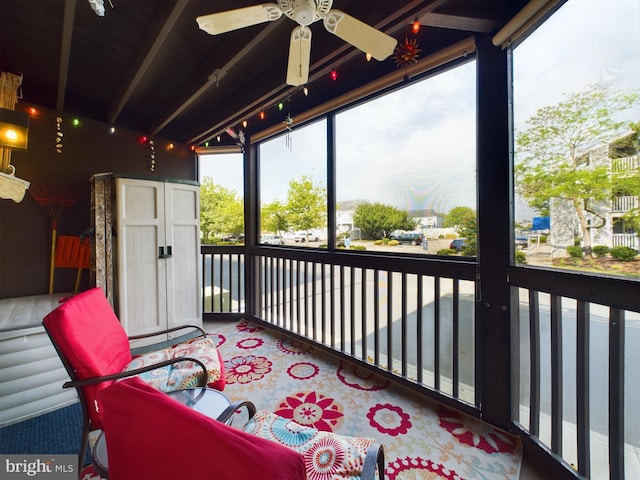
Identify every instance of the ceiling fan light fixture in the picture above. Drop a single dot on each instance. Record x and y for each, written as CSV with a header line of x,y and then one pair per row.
x,y
304,11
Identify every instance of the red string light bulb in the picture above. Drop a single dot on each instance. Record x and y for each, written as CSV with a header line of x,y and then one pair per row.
x,y
415,26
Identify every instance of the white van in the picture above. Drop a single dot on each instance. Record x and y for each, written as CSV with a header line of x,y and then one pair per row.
x,y
271,239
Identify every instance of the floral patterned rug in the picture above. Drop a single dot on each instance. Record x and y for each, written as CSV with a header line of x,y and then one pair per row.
x,y
423,440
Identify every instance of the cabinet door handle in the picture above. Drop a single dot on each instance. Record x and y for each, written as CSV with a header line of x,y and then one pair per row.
x,y
161,253
169,252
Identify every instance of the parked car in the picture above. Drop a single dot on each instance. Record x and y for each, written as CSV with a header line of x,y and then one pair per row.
x,y
312,235
299,237
458,244
270,239
412,238
522,242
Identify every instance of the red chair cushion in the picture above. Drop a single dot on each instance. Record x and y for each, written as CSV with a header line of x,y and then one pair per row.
x,y
91,339
150,435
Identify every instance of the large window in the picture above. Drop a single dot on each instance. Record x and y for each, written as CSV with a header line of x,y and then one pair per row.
x,y
221,198
576,112
293,187
577,180
406,168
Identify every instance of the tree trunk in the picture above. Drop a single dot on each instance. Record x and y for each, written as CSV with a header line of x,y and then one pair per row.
x,y
584,226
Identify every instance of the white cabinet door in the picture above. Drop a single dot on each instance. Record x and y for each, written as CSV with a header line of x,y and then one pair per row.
x,y
182,239
158,242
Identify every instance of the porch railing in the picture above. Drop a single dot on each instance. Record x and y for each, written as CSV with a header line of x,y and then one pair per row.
x,y
574,343
416,325
625,164
624,240
624,204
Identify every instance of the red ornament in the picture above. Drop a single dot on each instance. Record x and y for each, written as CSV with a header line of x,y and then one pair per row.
x,y
406,53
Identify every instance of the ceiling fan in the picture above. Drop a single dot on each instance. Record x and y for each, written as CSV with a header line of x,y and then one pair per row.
x,y
362,36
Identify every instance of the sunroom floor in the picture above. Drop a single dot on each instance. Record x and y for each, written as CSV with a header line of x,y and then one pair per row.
x,y
422,438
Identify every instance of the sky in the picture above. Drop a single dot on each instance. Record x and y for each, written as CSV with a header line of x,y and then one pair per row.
x,y
422,155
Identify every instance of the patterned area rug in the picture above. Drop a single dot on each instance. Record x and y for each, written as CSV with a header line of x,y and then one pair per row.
x,y
423,440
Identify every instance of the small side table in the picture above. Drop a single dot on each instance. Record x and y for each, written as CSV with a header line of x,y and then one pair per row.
x,y
207,401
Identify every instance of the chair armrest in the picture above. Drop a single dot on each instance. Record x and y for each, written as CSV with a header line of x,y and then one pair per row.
x,y
228,412
169,330
137,371
374,458
198,332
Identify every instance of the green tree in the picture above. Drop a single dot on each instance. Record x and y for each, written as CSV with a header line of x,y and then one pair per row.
x,y
551,153
306,205
377,220
463,219
273,217
221,211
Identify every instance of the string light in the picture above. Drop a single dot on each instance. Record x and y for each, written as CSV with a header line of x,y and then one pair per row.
x,y
415,26
280,105
334,74
111,130
368,57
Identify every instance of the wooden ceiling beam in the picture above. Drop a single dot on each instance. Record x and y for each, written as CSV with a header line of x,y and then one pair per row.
x,y
213,79
65,51
455,22
144,57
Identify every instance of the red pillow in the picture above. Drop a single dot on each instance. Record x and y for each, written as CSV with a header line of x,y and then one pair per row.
x,y
152,436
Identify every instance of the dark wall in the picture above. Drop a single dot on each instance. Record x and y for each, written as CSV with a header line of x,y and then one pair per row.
x,y
89,148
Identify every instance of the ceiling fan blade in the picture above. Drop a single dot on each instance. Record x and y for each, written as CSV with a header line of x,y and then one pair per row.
x,y
299,56
368,39
223,22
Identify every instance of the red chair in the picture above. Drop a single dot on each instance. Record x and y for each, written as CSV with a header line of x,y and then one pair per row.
x,y
149,435
71,252
138,420
95,351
